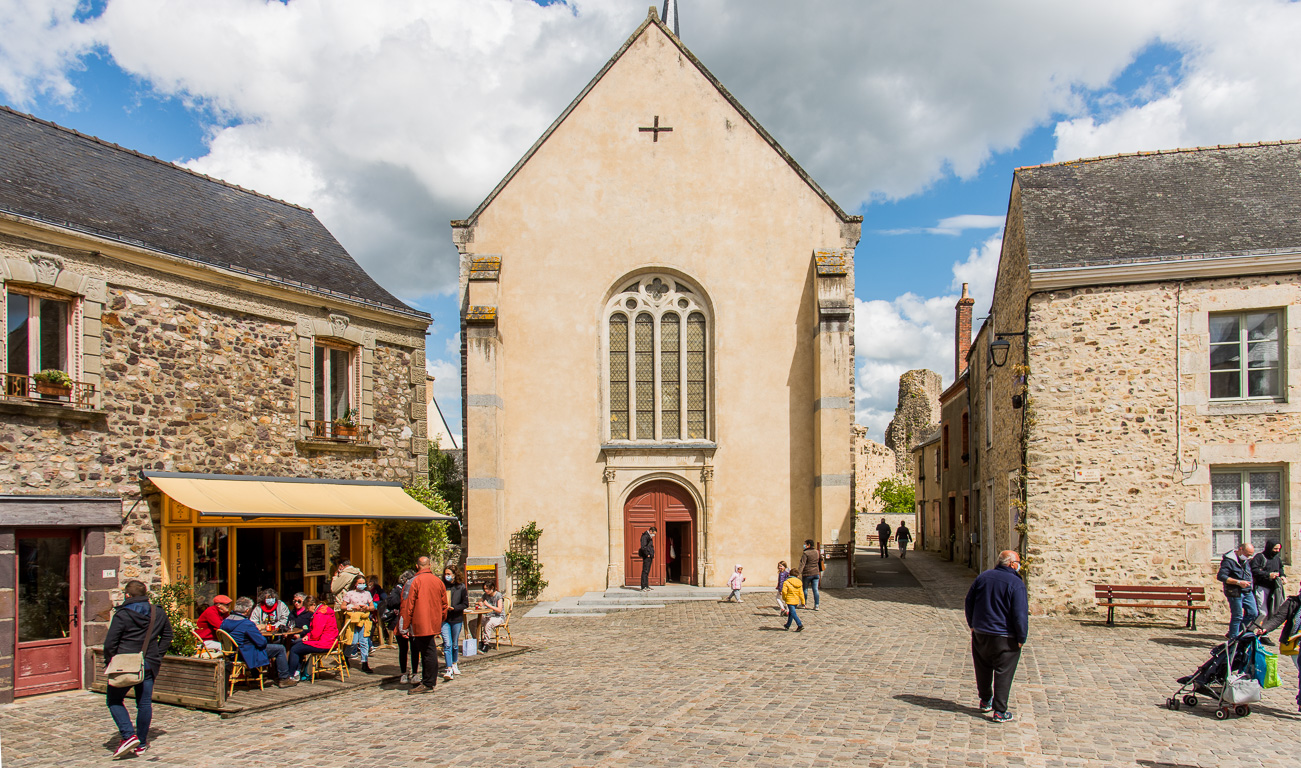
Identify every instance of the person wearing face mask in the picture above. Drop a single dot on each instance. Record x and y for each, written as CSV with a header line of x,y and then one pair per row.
x,y
271,613
458,600
358,607
1267,578
998,613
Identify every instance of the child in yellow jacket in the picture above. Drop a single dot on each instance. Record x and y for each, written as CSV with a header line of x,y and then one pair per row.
x,y
793,595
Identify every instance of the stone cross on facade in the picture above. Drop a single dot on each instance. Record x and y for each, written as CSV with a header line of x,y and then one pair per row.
x,y
656,129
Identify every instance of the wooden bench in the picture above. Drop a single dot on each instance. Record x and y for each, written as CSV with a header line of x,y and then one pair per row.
x,y
1113,596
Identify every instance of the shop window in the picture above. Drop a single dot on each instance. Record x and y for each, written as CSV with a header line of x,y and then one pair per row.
x,y
1245,355
210,564
1246,505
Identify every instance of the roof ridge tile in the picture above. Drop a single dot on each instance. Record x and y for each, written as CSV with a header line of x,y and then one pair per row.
x,y
1166,151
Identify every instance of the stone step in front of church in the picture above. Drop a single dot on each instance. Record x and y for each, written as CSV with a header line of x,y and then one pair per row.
x,y
627,599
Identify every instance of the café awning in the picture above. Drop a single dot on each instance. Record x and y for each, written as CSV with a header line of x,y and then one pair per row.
x,y
290,497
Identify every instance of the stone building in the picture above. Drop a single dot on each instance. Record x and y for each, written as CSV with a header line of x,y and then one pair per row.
x,y
1137,388
873,463
652,275
956,494
916,415
242,400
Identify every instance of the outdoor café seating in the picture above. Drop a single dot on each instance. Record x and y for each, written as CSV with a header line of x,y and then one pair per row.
x,y
236,669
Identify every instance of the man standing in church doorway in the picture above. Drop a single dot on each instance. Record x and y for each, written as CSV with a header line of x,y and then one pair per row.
x,y
647,553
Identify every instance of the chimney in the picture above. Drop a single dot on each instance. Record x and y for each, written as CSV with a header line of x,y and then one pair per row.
x,y
962,333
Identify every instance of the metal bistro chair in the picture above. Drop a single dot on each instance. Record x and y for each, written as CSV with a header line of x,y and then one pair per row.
x,y
239,671
504,627
204,651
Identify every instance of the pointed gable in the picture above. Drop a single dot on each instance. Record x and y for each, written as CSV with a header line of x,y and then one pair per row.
x,y
653,31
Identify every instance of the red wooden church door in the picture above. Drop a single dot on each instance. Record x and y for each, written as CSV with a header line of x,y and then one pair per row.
x,y
658,503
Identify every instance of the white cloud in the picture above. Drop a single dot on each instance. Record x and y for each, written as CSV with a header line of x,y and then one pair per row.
x,y
1240,74
951,225
891,337
40,41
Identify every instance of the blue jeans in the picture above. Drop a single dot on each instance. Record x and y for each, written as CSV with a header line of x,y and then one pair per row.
x,y
144,708
793,616
362,643
812,583
277,655
1242,611
451,636
297,653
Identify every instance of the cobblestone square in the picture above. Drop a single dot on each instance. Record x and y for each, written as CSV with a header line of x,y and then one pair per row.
x,y
881,676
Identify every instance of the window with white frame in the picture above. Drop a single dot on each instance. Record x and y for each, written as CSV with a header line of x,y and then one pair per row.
x,y
1246,505
39,332
657,370
334,376
1245,360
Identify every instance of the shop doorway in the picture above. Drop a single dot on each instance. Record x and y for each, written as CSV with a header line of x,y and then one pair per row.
x,y
672,511
269,557
48,612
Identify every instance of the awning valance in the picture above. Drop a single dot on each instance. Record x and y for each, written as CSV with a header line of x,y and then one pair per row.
x,y
290,497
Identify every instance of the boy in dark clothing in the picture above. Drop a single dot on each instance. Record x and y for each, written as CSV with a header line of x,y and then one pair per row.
x,y
130,632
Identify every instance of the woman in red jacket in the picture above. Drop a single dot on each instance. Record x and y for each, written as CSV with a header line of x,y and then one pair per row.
x,y
320,637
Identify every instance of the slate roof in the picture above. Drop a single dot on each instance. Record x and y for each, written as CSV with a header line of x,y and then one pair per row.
x,y
62,177
1153,206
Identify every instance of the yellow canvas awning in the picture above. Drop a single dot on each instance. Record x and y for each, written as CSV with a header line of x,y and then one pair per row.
x,y
292,497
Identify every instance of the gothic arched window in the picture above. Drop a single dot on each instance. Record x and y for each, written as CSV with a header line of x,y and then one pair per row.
x,y
657,372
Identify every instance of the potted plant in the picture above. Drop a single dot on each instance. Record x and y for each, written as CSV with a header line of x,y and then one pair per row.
x,y
346,424
53,383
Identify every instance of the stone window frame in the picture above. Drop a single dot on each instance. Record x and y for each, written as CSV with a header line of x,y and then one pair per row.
x,y
989,412
353,376
336,330
657,294
1244,470
1281,324
42,273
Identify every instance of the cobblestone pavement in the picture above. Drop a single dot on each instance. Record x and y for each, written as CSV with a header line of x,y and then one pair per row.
x,y
880,677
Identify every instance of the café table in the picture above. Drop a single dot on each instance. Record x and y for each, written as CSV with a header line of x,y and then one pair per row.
x,y
477,615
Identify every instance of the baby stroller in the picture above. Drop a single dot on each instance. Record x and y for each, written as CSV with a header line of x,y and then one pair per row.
x,y
1229,676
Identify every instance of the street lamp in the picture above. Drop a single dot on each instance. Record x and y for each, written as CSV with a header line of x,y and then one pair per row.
x,y
998,349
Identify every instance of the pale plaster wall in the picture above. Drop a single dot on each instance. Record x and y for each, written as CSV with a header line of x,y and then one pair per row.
x,y
599,203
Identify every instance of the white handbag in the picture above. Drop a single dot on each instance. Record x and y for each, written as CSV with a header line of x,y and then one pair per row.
x,y
469,647
1244,690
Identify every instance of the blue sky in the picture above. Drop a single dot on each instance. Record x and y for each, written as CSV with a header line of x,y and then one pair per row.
x,y
909,119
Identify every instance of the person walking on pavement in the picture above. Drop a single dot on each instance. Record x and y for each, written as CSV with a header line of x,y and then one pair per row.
x,y
903,537
423,612
137,627
1235,575
793,596
998,614
1267,577
810,573
647,555
1288,615
734,583
883,537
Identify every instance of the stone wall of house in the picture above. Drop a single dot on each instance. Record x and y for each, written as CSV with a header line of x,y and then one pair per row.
x,y
873,463
1124,436
199,378
916,414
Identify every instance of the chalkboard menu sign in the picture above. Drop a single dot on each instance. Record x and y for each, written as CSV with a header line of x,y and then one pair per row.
x,y
479,576
314,558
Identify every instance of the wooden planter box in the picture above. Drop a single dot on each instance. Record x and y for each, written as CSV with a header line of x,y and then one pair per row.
x,y
52,390
185,681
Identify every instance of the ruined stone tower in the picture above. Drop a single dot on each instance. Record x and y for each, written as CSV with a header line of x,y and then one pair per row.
x,y
916,415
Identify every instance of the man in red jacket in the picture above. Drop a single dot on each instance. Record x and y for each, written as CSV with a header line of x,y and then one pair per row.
x,y
423,611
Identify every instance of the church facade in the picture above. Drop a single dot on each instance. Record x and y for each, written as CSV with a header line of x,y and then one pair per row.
x,y
657,329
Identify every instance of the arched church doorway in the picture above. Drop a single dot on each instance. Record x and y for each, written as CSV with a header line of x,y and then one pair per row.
x,y
671,509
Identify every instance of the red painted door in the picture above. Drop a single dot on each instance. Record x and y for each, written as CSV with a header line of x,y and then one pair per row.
x,y
48,652
656,503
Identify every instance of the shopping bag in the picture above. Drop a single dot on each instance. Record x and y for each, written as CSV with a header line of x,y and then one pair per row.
x,y
1271,671
1289,647
469,647
1242,690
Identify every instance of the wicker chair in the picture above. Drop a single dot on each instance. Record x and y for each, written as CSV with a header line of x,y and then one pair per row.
x,y
239,671
504,627
204,651
332,661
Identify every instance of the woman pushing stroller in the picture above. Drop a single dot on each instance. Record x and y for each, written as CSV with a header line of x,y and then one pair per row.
x,y
1288,615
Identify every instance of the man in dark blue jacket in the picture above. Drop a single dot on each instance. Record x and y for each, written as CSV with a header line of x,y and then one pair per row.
x,y
1235,575
253,646
998,614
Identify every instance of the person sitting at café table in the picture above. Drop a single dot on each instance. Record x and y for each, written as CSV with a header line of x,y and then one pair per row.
x,y
492,600
344,577
270,612
324,628
210,620
300,616
358,606
253,646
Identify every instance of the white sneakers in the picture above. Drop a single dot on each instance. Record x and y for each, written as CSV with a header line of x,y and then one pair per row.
x,y
456,669
404,679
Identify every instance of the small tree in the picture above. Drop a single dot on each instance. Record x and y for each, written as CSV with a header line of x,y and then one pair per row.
x,y
445,478
896,496
174,599
401,542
